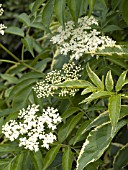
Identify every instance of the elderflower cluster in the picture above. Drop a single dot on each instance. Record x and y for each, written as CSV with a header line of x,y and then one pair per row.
x,y
1,10
33,130
80,39
48,87
2,26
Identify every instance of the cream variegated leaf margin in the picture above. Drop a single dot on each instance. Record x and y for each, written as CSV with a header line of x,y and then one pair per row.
x,y
119,50
96,143
97,95
109,83
94,78
114,107
121,81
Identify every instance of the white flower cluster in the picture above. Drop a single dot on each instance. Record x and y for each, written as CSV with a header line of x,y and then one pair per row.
x,y
1,10
81,39
2,26
47,87
33,130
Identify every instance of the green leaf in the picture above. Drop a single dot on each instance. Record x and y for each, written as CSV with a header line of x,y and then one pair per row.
x,y
91,6
67,159
70,111
109,81
50,156
37,25
59,7
18,161
96,95
88,90
1,124
24,18
115,4
58,60
121,158
80,131
114,107
28,43
15,31
38,48
121,81
117,60
62,131
94,165
36,5
5,112
20,100
104,2
9,148
30,75
16,69
74,122
27,162
84,7
125,10
115,69
67,128
38,101
3,104
41,65
47,13
101,119
24,83
97,142
4,163
74,7
8,167
57,163
96,108
124,111
111,28
94,78
118,50
9,78
37,160
75,84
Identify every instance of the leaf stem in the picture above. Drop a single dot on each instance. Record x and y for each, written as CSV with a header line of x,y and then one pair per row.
x,y
84,111
10,53
8,61
17,59
22,53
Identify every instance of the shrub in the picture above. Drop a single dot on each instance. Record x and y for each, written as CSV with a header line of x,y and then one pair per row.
x,y
64,92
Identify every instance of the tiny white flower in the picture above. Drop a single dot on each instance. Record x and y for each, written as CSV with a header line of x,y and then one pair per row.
x,y
81,39
47,87
2,26
31,130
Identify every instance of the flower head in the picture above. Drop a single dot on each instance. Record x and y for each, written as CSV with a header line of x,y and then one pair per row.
x,y
33,129
2,26
1,10
48,86
81,39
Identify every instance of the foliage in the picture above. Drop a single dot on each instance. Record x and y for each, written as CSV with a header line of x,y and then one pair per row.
x,y
89,92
